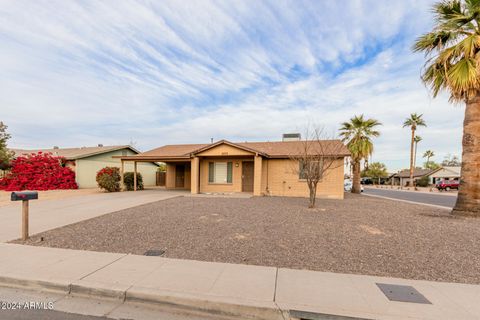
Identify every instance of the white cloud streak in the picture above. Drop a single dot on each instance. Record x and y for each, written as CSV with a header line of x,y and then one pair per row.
x,y
87,72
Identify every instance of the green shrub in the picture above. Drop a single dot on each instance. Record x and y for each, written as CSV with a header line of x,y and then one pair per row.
x,y
109,178
128,181
423,182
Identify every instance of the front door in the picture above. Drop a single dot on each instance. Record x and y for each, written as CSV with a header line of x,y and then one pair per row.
x,y
247,176
179,176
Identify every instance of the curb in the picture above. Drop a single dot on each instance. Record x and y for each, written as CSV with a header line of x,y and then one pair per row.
x,y
262,310
408,201
209,304
63,287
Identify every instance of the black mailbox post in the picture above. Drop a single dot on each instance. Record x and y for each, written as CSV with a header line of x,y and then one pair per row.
x,y
24,196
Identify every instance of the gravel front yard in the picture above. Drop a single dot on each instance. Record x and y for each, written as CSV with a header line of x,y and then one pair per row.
x,y
360,234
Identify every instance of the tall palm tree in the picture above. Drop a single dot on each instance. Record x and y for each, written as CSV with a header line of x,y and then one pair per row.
x,y
452,50
429,154
358,134
417,139
414,121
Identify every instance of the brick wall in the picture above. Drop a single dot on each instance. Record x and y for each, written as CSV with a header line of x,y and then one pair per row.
x,y
281,180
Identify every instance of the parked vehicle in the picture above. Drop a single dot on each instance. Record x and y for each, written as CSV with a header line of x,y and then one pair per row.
x,y
366,181
447,185
347,185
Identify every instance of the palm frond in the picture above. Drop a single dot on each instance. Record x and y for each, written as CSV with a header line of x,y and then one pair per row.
x,y
453,49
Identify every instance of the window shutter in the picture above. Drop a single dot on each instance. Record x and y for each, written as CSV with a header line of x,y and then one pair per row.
x,y
229,172
211,172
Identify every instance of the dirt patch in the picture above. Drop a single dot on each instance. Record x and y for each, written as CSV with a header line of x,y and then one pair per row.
x,y
362,235
371,230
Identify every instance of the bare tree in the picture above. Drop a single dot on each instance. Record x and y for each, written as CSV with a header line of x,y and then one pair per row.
x,y
316,157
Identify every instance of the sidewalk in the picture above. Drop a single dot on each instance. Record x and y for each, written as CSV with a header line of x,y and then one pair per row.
x,y
237,290
50,214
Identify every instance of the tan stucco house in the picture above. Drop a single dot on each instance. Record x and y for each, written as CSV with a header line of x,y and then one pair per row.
x,y
87,161
261,168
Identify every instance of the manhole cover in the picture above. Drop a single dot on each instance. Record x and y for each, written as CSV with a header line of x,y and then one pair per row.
x,y
154,253
395,292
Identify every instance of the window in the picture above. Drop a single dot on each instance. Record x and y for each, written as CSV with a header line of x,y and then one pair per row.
x,y
315,168
301,171
220,172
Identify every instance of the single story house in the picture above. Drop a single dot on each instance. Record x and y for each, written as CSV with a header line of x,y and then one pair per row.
x,y
402,177
445,173
87,161
261,168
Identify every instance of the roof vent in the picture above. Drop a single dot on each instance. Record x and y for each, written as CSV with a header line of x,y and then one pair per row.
x,y
291,137
100,145
55,147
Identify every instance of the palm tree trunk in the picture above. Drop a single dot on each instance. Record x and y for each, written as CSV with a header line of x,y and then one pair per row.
x,y
356,188
415,156
468,200
411,157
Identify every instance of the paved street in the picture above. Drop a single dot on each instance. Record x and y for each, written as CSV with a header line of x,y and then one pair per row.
x,y
437,199
50,214
59,315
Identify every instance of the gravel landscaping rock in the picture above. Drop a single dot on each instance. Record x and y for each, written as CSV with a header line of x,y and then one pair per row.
x,y
360,234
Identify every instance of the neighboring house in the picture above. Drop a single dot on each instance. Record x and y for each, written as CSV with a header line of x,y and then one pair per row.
x,y
87,161
262,168
445,173
402,178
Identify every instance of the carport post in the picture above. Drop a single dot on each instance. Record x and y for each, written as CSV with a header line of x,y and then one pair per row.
x,y
121,174
134,175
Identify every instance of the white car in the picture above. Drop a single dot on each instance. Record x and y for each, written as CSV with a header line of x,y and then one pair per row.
x,y
347,185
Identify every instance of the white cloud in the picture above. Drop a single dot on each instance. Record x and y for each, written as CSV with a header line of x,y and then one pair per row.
x,y
87,72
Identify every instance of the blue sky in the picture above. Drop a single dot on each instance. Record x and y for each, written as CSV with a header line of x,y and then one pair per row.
x,y
162,72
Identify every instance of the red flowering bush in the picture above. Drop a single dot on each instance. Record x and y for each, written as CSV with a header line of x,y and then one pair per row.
x,y
38,171
109,178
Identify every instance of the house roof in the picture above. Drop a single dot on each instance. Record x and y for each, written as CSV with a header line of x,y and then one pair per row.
x,y
447,172
417,172
276,149
75,153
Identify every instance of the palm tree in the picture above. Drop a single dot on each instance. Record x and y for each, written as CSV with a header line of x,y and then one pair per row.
x,y
417,139
358,134
413,122
452,50
428,154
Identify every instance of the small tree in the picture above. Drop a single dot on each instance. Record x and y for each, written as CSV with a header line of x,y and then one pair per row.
x,y
128,181
315,158
5,154
423,182
375,170
109,178
432,165
451,161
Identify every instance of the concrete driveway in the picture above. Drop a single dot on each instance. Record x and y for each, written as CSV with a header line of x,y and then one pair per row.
x,y
50,214
436,199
